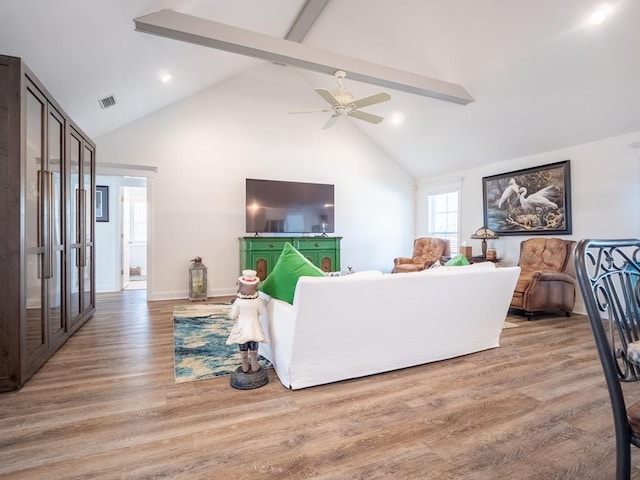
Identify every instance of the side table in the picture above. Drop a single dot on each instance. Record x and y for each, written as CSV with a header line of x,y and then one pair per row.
x,y
481,259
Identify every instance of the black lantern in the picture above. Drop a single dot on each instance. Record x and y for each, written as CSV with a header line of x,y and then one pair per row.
x,y
197,280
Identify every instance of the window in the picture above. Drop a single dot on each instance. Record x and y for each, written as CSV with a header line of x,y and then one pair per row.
x,y
442,212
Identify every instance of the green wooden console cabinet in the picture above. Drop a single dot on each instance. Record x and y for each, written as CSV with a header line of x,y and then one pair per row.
x,y
261,253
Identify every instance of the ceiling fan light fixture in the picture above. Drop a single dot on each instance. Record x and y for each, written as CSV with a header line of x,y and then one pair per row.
x,y
343,96
341,93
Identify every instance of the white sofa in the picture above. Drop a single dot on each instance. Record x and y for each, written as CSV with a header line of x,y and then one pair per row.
x,y
356,325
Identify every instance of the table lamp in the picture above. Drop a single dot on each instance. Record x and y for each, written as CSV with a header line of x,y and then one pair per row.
x,y
484,233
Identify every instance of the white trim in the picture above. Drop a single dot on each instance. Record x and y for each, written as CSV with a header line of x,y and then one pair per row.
x,y
124,170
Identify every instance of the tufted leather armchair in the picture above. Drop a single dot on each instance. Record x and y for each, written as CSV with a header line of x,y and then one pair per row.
x,y
547,276
426,251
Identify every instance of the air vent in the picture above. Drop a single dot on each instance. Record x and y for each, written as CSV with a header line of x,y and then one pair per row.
x,y
107,102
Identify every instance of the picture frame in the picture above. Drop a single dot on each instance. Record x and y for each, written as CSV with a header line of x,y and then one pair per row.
x,y
531,201
102,203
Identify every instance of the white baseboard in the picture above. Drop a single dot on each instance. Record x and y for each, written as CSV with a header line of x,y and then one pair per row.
x,y
184,294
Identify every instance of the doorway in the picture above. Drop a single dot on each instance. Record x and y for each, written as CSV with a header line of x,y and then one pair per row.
x,y
133,205
122,240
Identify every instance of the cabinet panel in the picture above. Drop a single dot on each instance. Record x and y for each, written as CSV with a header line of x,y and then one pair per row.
x,y
75,240
267,244
262,263
88,174
57,324
326,260
318,243
34,328
55,234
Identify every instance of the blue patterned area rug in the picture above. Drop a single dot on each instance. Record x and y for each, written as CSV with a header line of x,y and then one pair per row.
x,y
200,332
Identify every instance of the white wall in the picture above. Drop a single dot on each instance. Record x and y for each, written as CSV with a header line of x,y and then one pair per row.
x,y
605,193
106,235
205,146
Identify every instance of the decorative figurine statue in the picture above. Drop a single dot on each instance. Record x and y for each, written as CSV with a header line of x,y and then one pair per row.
x,y
247,332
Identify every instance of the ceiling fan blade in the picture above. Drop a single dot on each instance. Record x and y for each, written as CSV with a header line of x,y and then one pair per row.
x,y
367,117
331,121
372,100
328,96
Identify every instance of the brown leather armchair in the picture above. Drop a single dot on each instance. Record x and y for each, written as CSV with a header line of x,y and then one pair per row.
x,y
426,251
547,276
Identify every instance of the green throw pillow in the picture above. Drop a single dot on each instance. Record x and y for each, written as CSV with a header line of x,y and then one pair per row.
x,y
291,265
457,261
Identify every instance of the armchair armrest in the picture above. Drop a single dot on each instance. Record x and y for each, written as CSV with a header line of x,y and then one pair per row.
x,y
402,260
542,276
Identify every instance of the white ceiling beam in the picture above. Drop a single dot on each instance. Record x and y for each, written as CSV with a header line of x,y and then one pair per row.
x,y
305,19
199,31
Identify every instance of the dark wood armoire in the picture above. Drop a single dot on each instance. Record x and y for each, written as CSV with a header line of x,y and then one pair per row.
x,y
47,191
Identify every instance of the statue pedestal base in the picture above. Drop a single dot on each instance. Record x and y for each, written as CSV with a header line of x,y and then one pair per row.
x,y
249,380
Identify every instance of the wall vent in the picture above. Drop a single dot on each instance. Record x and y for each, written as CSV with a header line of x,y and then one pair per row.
x,y
107,102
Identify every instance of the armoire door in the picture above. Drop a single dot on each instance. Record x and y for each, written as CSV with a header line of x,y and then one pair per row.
x,y
81,223
56,325
88,174
34,331
44,320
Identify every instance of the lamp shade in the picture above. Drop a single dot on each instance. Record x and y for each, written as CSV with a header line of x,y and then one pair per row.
x,y
484,233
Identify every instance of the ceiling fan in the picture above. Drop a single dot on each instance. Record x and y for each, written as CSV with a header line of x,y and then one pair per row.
x,y
342,103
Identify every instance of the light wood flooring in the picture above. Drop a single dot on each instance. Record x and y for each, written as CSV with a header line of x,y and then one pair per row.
x,y
106,407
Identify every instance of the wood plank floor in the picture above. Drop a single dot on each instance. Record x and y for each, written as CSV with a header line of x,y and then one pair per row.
x,y
106,407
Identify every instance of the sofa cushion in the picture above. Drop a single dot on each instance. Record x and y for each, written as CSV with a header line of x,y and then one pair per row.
x,y
291,265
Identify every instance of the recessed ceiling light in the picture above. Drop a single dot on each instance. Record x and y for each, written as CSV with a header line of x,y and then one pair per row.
x,y
397,118
165,77
601,14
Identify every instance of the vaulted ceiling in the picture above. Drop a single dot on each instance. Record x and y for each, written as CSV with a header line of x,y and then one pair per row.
x,y
541,76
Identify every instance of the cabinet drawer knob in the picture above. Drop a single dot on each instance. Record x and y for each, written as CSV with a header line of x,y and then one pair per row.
x,y
271,245
316,244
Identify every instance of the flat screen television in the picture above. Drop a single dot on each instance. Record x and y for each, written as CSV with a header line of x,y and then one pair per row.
x,y
275,206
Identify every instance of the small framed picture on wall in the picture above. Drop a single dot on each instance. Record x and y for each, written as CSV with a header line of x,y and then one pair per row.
x,y
102,203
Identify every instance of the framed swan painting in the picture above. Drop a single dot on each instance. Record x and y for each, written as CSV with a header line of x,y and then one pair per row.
x,y
531,201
